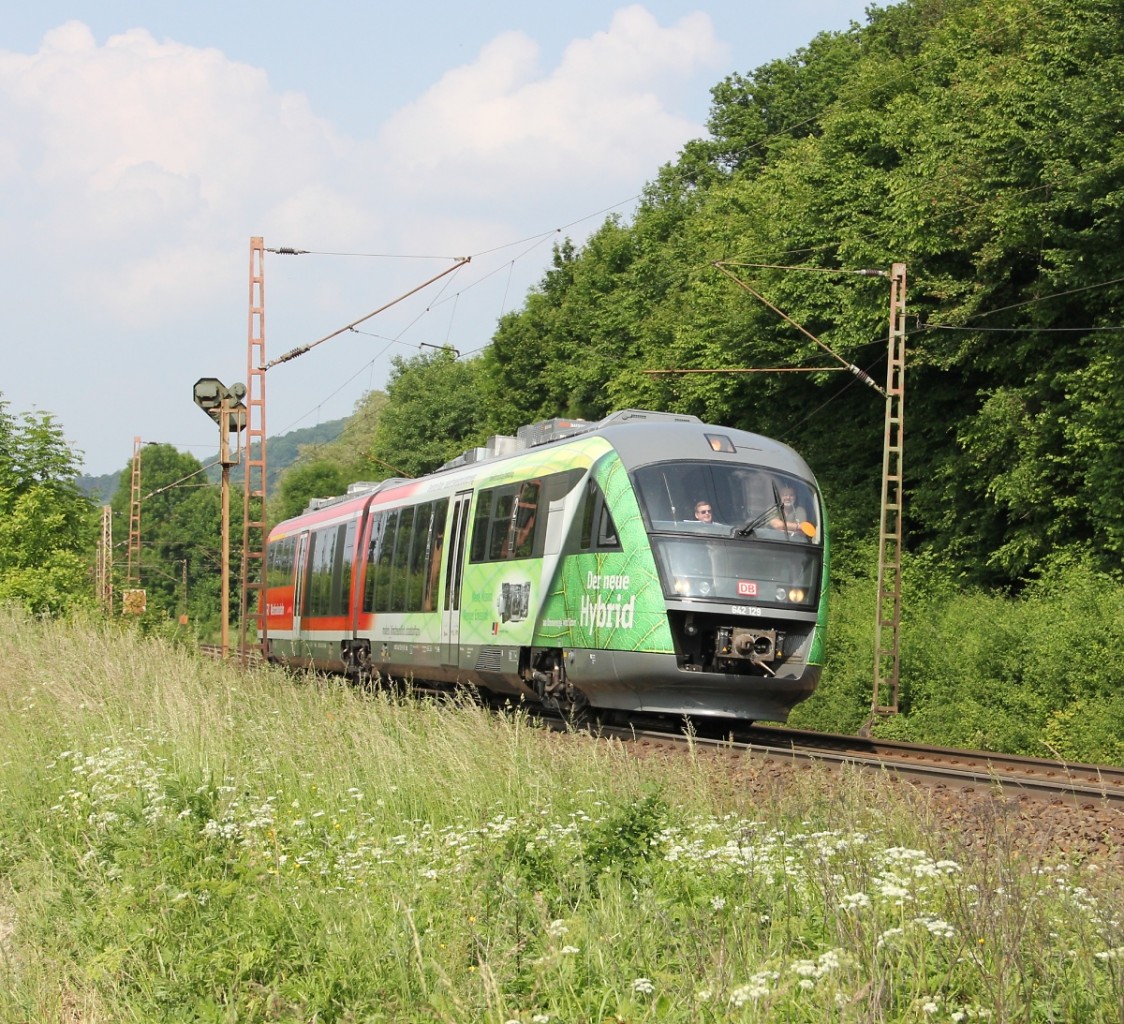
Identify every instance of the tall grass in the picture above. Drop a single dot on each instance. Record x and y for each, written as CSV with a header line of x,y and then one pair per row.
x,y
184,842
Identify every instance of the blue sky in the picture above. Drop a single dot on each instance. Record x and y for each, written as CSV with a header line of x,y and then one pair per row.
x,y
143,144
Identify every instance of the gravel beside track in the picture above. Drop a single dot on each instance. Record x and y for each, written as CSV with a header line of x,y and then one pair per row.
x,y
960,818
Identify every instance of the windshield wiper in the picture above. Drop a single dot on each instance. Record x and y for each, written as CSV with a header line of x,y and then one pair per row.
x,y
758,520
777,508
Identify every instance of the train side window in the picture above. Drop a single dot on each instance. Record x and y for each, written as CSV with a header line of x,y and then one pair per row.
x,y
456,560
279,562
324,570
511,521
525,520
607,529
306,591
482,517
598,529
500,528
436,550
378,519
419,549
321,557
385,571
401,565
341,569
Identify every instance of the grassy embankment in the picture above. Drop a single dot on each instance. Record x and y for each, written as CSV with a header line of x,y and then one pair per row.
x,y
182,842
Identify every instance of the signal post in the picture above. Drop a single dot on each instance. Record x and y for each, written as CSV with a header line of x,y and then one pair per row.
x,y
224,406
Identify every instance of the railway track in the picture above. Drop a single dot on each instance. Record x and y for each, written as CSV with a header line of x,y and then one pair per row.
x,y
939,765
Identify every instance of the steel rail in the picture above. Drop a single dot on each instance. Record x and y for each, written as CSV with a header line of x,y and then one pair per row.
x,y
1028,775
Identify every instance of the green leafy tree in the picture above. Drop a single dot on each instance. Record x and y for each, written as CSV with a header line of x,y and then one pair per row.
x,y
433,412
46,524
180,536
304,481
978,142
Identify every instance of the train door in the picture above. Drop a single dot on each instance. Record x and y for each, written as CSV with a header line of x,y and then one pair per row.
x,y
454,572
300,574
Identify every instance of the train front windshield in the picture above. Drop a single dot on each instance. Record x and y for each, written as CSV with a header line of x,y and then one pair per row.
x,y
733,533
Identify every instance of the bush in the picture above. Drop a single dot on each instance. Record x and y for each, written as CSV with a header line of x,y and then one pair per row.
x,y
1032,673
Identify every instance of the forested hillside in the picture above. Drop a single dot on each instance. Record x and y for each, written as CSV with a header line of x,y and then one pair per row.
x,y
282,451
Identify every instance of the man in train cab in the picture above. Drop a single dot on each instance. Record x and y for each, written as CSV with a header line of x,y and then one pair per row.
x,y
704,512
790,517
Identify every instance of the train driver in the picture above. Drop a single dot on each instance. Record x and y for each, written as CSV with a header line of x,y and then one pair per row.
x,y
790,516
704,511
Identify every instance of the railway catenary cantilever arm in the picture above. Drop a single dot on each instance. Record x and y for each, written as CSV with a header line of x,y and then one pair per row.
x,y
300,350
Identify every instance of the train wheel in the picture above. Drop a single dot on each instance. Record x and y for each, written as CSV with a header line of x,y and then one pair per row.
x,y
579,715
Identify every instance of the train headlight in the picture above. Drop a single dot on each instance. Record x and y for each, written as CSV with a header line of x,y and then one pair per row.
x,y
782,594
682,587
796,595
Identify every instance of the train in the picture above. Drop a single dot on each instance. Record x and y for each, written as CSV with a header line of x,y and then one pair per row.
x,y
574,566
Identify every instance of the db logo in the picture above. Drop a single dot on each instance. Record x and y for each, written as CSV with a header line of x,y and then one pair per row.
x,y
747,589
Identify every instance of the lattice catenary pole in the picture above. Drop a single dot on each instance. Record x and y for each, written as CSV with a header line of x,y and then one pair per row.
x,y
132,564
887,624
105,560
254,529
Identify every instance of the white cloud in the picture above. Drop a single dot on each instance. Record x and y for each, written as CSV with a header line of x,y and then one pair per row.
x,y
142,157
605,114
142,154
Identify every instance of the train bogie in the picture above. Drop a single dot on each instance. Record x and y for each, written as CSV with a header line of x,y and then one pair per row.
x,y
646,563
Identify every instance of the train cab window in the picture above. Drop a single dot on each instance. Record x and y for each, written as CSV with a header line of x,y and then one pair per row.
x,y
748,503
598,529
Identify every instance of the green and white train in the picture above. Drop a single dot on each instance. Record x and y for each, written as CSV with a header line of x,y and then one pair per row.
x,y
566,566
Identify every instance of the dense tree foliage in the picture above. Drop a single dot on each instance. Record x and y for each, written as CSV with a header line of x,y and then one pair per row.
x,y
181,537
46,524
305,480
433,411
